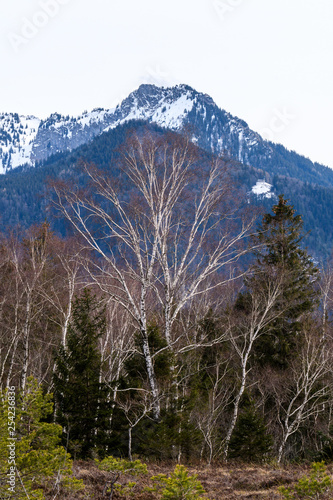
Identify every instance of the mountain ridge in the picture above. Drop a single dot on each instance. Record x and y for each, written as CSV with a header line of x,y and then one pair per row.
x,y
28,140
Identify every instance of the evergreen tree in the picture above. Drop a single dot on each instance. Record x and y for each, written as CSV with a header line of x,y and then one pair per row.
x,y
158,439
31,458
135,367
81,400
280,254
250,441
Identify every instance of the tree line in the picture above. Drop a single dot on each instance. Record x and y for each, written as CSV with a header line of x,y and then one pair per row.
x,y
172,326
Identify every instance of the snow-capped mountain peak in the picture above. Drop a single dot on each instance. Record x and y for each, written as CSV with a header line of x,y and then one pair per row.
x,y
26,140
168,107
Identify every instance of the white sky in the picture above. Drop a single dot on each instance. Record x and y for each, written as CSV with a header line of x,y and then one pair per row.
x,y
268,62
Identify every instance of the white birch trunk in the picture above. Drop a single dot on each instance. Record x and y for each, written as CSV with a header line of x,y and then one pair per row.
x,y
26,333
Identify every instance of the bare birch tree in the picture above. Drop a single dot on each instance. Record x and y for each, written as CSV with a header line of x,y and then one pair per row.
x,y
116,347
161,230
134,411
9,314
208,417
307,390
68,280
27,260
248,327
326,292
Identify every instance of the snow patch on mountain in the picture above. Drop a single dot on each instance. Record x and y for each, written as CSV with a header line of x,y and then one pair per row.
x,y
172,115
17,136
95,116
262,188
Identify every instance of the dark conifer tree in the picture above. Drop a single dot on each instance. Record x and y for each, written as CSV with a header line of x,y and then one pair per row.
x,y
280,254
81,400
250,441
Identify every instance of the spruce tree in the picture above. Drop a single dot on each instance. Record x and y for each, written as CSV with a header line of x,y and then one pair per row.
x,y
81,400
280,254
32,459
250,441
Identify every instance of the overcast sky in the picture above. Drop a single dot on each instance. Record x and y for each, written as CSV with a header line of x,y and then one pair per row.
x,y
268,62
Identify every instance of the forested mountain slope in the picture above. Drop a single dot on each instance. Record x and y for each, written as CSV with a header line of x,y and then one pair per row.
x,y
24,196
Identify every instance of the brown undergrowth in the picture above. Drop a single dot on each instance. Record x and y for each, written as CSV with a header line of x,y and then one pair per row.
x,y
227,482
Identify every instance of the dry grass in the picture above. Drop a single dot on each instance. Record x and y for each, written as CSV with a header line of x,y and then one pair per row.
x,y
230,482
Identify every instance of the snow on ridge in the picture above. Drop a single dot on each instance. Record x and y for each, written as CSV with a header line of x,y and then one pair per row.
x,y
262,188
95,116
86,118
171,115
240,150
167,112
16,140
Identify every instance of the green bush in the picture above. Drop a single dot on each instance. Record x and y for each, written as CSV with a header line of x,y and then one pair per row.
x,y
179,486
314,486
118,467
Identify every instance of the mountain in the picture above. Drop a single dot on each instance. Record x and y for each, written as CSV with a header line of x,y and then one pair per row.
x,y
24,197
28,140
261,169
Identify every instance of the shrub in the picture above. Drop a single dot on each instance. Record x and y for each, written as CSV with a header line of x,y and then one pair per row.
x,y
37,461
316,485
119,467
179,486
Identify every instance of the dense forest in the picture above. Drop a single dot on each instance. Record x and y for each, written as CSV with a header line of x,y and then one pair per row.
x,y
176,323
